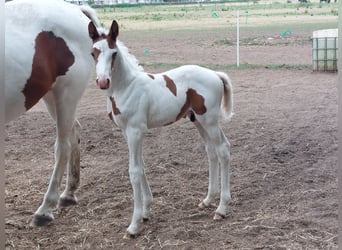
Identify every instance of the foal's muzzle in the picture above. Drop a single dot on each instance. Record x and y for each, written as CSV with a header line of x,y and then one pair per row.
x,y
102,82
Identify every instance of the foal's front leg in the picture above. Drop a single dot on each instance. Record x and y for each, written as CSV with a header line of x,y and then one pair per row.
x,y
138,179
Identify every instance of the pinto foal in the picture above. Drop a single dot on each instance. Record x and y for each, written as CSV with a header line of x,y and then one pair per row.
x,y
138,101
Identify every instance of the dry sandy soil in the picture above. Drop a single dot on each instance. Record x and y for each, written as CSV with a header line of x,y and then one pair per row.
x,y
283,166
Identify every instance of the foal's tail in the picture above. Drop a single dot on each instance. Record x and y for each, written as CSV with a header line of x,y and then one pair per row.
x,y
227,104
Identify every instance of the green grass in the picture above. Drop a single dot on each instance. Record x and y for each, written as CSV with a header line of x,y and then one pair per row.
x,y
227,6
243,66
299,26
197,11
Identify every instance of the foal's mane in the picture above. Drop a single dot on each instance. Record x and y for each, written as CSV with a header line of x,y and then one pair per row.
x,y
128,57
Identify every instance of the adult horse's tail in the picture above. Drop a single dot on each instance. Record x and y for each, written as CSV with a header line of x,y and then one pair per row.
x,y
227,104
91,14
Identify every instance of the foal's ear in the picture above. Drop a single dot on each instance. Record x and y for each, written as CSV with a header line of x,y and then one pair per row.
x,y
93,31
114,30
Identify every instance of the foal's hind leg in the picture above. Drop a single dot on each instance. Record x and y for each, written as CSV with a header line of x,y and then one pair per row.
x,y
221,148
223,151
213,186
146,196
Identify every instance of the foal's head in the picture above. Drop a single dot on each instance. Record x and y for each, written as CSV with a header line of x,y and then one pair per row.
x,y
104,52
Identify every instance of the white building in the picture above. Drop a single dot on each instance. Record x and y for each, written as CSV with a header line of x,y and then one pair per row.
x,y
79,2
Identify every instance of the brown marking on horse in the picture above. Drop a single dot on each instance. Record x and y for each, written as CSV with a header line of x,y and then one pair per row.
x,y
151,76
111,43
113,34
116,110
52,58
99,38
194,101
94,34
95,53
171,85
110,115
110,38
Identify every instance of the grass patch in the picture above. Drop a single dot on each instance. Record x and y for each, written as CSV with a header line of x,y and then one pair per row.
x,y
169,12
224,41
244,66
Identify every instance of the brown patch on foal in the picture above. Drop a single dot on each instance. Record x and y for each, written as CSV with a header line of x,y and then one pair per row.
x,y
52,58
116,110
194,101
171,85
95,53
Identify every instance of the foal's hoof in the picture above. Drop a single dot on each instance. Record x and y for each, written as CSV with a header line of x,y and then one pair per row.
x,y
218,216
146,219
129,236
67,202
41,220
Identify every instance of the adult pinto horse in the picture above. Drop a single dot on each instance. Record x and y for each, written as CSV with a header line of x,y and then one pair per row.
x,y
48,56
138,101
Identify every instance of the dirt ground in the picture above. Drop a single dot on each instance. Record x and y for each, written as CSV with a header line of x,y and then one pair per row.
x,y
283,165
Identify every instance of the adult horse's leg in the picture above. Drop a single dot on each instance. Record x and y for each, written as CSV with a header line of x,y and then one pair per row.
x,y
64,114
68,197
134,138
213,187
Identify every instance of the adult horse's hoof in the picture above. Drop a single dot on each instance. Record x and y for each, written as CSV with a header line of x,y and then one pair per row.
x,y
202,205
129,236
218,216
41,220
66,202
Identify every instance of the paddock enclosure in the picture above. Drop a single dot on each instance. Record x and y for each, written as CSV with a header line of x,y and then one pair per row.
x,y
283,141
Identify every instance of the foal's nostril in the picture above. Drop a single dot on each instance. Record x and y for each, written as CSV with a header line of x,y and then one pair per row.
x,y
107,81
97,80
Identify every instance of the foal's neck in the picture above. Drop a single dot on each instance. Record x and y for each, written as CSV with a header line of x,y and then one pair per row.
x,y
124,71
